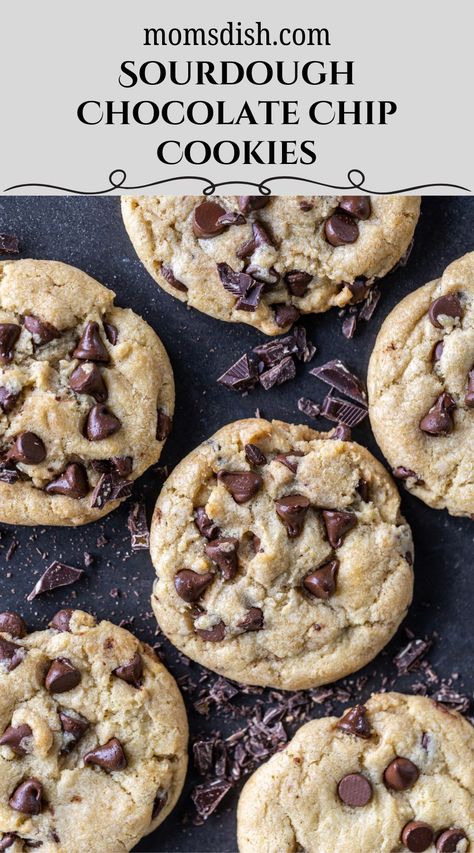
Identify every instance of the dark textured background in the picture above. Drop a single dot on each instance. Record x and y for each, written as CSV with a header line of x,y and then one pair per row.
x,y
88,232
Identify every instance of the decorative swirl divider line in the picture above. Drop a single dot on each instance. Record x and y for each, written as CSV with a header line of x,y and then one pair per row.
x,y
117,178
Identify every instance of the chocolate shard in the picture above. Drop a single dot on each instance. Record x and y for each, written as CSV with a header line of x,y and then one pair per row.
x,y
247,203
411,655
341,411
169,276
8,475
278,374
337,375
9,244
360,289
295,343
206,797
56,575
469,397
110,487
241,376
309,407
138,526
9,334
355,722
368,307
297,282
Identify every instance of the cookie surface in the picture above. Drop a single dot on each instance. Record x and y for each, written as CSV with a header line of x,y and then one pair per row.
x,y
254,581
271,258
93,737
421,389
86,395
413,763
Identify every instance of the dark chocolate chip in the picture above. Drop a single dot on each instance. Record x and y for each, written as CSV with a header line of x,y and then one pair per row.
x,y
359,289
297,282
445,306
159,803
305,205
62,676
401,774
9,838
212,635
336,409
363,490
163,425
322,582
252,621
72,482
337,375
283,459
417,836
110,487
56,575
13,624
402,473
111,332
28,448
9,334
91,346
337,524
101,423
240,376
231,217
254,455
223,552
341,229
252,202
439,419
122,464
469,398
15,736
285,315
449,839
242,485
168,275
358,206
110,756
355,722
61,620
278,374
355,790
41,331
9,245
73,729
138,525
131,672
292,510
206,218
438,350
11,655
8,399
27,797
190,585
88,379
207,528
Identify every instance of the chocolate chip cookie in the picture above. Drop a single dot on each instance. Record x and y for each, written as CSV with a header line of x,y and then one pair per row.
x,y
93,737
396,774
264,260
421,390
86,396
281,555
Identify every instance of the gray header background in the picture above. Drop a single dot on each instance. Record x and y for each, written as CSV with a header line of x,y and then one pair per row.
x,y
56,54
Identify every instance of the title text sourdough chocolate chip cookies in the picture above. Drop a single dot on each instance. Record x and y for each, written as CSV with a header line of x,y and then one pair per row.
x,y
281,555
421,389
93,737
263,260
395,775
86,395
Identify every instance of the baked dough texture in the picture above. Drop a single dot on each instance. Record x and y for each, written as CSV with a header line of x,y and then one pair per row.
x,y
292,804
420,356
87,806
67,353
266,598
185,264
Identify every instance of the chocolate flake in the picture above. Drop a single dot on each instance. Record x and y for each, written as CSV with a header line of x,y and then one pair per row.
x,y
138,526
56,575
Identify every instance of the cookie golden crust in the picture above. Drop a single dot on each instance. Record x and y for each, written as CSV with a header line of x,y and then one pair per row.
x,y
416,760
93,737
86,395
283,245
421,389
255,581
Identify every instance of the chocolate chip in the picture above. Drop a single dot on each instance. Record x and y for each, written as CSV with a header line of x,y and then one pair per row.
x,y
285,315
88,379
56,575
297,282
110,756
27,797
207,528
252,621
336,409
278,374
138,525
260,235
363,490
292,510
254,455
252,202
168,275
231,217
13,624
41,331
469,398
28,449
62,676
355,790
163,425
131,672
402,473
240,376
445,306
309,407
8,475
337,524
360,290
91,346
101,423
340,229
417,836
15,736
8,399
305,205
190,585
401,774
73,729
11,655
284,460
355,722
206,219
242,485
9,334
111,332
223,552
110,487
9,839
159,803
337,375
72,482
438,350
358,206
9,245
322,582
212,635
61,620
449,839
122,464
439,420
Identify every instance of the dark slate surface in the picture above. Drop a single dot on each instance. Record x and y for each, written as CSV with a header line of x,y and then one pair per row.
x,y
88,232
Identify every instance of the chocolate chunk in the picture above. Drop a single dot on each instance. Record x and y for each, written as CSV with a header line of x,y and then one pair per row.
x,y
168,275
349,326
111,332
223,552
206,219
131,672
9,838
242,485
61,620
62,676
335,409
28,449
337,524
110,756
251,298
27,797
163,425
322,582
73,729
13,624
294,343
417,836
110,487
15,737
122,464
305,205
297,282
260,237
56,575
341,229
241,376
9,245
368,308
72,482
9,334
355,722
236,283
449,839
285,315
159,803
309,407
411,655
358,206
101,423
278,374
438,350
8,399
212,635
284,460
337,375
231,217
11,655
439,419
292,510
401,774
41,331
252,621
252,202
360,290
254,455
138,525
363,490
91,346
445,306
88,379
341,433
190,585
469,398
402,473
266,276
207,528
355,790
